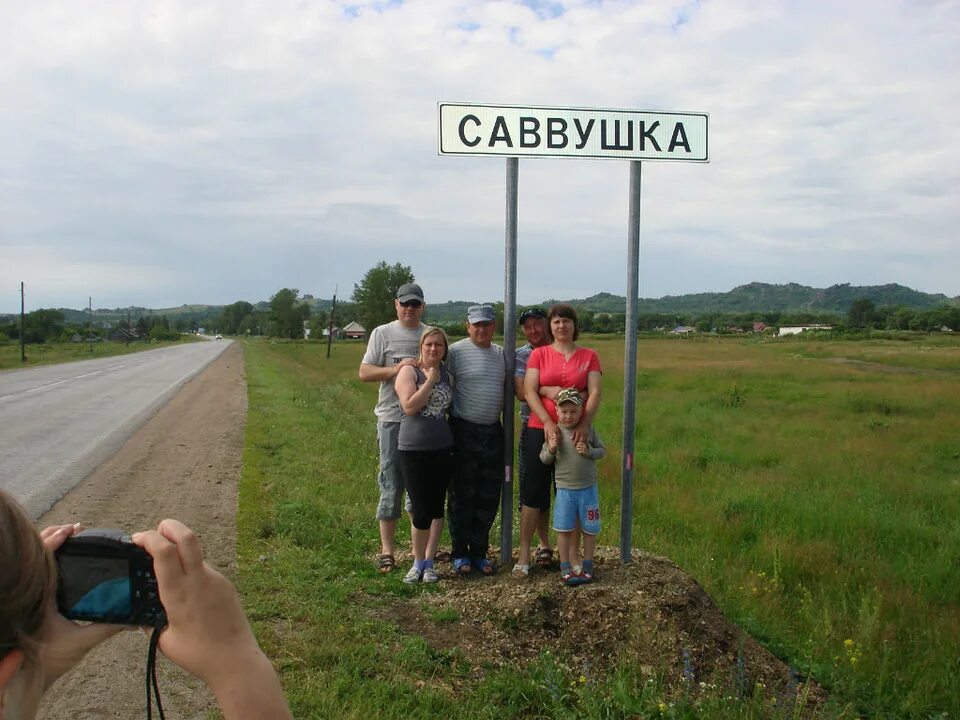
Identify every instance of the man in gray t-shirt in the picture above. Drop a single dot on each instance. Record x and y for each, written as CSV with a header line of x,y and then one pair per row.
x,y
390,347
478,369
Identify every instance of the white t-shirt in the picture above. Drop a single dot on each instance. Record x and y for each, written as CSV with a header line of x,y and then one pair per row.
x,y
388,345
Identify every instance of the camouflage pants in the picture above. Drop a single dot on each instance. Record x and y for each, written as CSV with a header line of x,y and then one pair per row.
x,y
474,496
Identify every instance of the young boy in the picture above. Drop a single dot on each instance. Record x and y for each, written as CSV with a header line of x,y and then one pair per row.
x,y
577,504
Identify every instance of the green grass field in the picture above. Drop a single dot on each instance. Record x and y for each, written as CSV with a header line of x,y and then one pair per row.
x,y
47,354
812,488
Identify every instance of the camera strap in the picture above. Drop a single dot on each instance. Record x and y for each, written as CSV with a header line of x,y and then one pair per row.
x,y
151,678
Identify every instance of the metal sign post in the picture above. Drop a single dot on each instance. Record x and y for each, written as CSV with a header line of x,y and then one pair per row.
x,y
509,350
512,131
630,365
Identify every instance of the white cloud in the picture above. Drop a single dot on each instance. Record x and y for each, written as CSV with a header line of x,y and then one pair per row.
x,y
294,144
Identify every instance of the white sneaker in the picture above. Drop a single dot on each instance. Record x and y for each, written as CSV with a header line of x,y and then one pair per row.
x,y
412,576
430,575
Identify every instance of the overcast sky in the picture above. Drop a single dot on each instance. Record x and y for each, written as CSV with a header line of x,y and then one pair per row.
x,y
160,153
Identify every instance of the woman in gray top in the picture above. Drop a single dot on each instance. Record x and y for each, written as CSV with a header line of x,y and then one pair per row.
x,y
425,443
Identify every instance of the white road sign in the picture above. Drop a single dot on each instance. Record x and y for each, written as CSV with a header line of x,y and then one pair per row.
x,y
514,131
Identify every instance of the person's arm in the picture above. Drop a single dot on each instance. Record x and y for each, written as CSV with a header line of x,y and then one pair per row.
x,y
520,358
531,384
63,643
375,373
597,449
548,453
518,387
208,634
550,391
412,399
372,365
582,430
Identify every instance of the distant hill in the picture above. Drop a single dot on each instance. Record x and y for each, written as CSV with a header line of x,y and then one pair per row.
x,y
764,297
115,315
753,297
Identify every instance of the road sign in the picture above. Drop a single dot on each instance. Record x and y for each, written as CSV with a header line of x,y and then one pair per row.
x,y
512,131
516,131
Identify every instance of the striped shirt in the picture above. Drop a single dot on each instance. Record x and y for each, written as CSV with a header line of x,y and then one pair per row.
x,y
478,375
520,371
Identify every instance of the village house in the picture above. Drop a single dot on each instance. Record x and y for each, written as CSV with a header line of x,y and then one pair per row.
x,y
354,331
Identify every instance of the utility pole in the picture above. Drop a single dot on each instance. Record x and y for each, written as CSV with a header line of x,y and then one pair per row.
x,y
90,323
23,347
333,309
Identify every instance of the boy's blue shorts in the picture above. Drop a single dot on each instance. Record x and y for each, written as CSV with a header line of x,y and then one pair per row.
x,y
573,507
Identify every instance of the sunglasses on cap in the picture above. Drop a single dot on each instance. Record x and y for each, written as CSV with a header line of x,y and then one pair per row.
x,y
411,304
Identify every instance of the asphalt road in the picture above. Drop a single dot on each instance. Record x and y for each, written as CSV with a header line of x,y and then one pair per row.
x,y
59,422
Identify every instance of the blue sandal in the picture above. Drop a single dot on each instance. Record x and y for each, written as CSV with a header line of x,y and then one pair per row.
x,y
484,566
462,566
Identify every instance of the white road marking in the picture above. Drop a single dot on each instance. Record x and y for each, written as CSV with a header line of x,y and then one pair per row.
x,y
61,382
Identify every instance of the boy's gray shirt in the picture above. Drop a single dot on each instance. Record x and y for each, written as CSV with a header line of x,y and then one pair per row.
x,y
388,345
571,470
478,375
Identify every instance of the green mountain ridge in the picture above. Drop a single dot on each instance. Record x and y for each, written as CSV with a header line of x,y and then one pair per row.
x,y
765,297
755,297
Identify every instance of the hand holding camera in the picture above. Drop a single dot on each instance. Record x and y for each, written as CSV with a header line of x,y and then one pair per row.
x,y
108,577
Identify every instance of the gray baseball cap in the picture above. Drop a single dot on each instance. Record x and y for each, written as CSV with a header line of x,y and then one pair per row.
x,y
408,292
480,313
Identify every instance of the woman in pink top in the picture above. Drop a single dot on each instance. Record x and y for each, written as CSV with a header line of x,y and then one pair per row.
x,y
550,368
562,364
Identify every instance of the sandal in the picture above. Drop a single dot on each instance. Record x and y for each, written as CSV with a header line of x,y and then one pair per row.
x,y
521,571
462,566
570,577
385,563
484,566
543,557
585,577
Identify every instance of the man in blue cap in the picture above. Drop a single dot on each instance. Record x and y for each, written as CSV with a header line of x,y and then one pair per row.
x,y
479,370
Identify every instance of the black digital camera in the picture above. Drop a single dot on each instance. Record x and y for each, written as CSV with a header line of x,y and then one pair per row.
x,y
103,577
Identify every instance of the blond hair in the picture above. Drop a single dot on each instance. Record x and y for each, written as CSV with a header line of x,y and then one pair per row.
x,y
427,332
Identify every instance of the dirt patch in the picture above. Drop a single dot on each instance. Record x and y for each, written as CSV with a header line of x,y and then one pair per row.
x,y
185,463
648,614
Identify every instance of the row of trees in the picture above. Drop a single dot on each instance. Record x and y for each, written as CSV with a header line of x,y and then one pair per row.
x,y
284,316
373,305
48,325
863,315
287,311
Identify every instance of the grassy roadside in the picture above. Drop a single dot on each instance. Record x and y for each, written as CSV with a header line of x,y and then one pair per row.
x,y
816,500
48,354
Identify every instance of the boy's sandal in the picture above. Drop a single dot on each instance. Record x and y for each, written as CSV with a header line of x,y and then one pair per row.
x,y
543,557
385,563
462,566
520,571
484,566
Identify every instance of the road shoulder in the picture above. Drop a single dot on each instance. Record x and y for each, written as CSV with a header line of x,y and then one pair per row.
x,y
185,462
